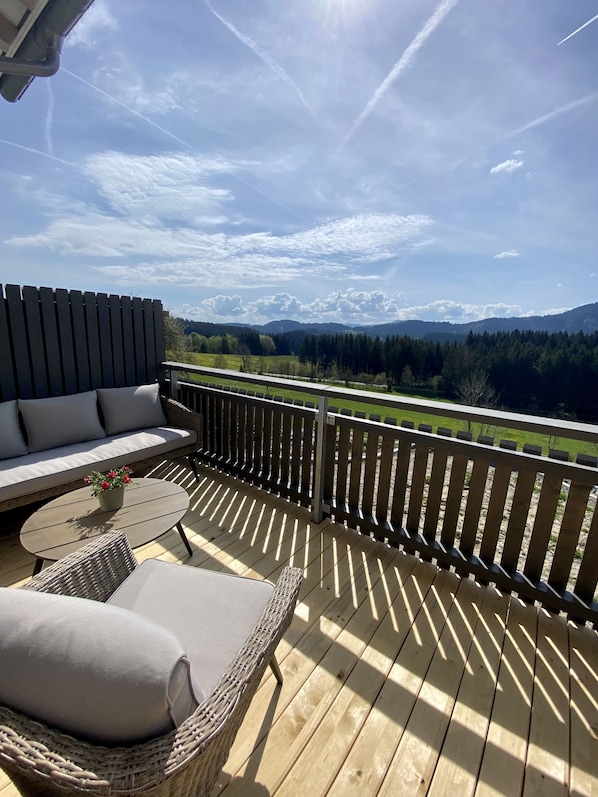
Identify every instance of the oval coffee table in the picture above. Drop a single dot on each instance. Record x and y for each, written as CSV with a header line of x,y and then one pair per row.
x,y
151,508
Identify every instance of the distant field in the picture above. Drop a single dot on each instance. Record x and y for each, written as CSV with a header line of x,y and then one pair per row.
x,y
233,362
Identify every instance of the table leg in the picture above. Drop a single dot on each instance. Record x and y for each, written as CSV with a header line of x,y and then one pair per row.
x,y
184,538
37,566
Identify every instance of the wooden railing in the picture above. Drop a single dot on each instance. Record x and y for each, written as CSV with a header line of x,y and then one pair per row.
x,y
524,522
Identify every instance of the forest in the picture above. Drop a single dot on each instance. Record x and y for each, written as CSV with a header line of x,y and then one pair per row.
x,y
553,374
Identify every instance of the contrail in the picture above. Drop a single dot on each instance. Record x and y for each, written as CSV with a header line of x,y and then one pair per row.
x,y
553,114
585,25
35,151
180,141
264,56
401,66
49,117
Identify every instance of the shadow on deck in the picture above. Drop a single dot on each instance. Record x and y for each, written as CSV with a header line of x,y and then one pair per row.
x,y
400,677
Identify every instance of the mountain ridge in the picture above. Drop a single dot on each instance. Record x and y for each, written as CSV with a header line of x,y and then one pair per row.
x,y
579,319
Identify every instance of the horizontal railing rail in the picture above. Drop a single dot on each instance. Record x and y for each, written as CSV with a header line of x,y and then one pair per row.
x,y
524,522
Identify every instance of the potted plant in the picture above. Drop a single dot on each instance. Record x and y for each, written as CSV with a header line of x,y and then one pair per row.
x,y
109,487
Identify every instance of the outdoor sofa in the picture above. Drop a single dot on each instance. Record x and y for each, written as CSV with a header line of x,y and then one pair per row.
x,y
48,445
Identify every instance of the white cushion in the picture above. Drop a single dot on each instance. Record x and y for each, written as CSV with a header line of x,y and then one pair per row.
x,y
61,420
46,469
129,408
212,613
95,671
11,439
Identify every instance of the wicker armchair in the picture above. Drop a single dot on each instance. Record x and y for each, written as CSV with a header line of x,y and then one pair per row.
x,y
186,761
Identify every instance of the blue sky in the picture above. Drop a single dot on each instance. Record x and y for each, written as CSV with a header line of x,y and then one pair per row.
x,y
357,161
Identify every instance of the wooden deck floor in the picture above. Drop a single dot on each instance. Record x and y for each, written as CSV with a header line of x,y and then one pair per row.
x,y
400,678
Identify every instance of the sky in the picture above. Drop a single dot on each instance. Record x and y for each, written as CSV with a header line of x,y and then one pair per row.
x,y
352,161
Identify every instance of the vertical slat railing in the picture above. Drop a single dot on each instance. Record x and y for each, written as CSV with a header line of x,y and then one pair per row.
x,y
515,519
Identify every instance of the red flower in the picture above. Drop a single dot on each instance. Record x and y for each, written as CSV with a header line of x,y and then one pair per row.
x,y
86,480
105,485
111,474
126,479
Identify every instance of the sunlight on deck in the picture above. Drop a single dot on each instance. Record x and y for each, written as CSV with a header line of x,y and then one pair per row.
x,y
400,678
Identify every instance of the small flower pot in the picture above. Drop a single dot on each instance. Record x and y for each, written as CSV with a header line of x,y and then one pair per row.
x,y
109,500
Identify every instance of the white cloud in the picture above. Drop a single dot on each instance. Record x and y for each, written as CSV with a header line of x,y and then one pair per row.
x,y
507,166
349,307
509,253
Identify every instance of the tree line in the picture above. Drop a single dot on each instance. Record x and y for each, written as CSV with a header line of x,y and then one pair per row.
x,y
537,372
553,374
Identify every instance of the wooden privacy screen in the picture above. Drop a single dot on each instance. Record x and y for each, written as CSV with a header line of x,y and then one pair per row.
x,y
57,342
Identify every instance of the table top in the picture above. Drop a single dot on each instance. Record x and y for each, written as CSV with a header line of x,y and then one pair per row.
x,y
151,507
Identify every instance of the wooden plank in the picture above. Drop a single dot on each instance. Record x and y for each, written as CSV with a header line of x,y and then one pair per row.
x,y
435,491
503,762
475,498
496,509
94,349
566,547
308,453
418,483
118,343
128,340
293,729
416,757
464,743
53,352
547,765
80,341
401,475
8,385
151,358
371,465
139,342
159,332
298,446
275,445
454,499
384,478
328,745
285,453
342,462
107,344
39,368
356,467
545,514
584,711
66,344
587,577
520,506
20,342
368,760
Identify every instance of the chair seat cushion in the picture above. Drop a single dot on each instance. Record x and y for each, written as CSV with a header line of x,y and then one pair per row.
x,y
95,671
211,613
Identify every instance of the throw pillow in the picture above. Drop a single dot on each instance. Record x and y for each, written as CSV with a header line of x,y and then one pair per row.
x,y
95,671
61,420
128,408
11,439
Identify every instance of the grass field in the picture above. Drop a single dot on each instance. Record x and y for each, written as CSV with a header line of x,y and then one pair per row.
x,y
233,362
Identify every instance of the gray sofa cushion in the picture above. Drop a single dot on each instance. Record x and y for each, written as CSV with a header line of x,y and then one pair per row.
x,y
61,420
211,613
11,439
92,670
46,469
128,408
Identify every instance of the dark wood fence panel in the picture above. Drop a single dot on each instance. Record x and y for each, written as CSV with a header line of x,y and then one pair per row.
x,y
57,342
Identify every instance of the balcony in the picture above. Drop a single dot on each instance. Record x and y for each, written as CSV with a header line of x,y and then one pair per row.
x,y
400,676
443,642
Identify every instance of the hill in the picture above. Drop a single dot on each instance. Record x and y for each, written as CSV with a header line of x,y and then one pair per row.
x,y
580,319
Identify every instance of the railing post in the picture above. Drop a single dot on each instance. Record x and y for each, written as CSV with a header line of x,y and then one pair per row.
x,y
318,505
174,383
